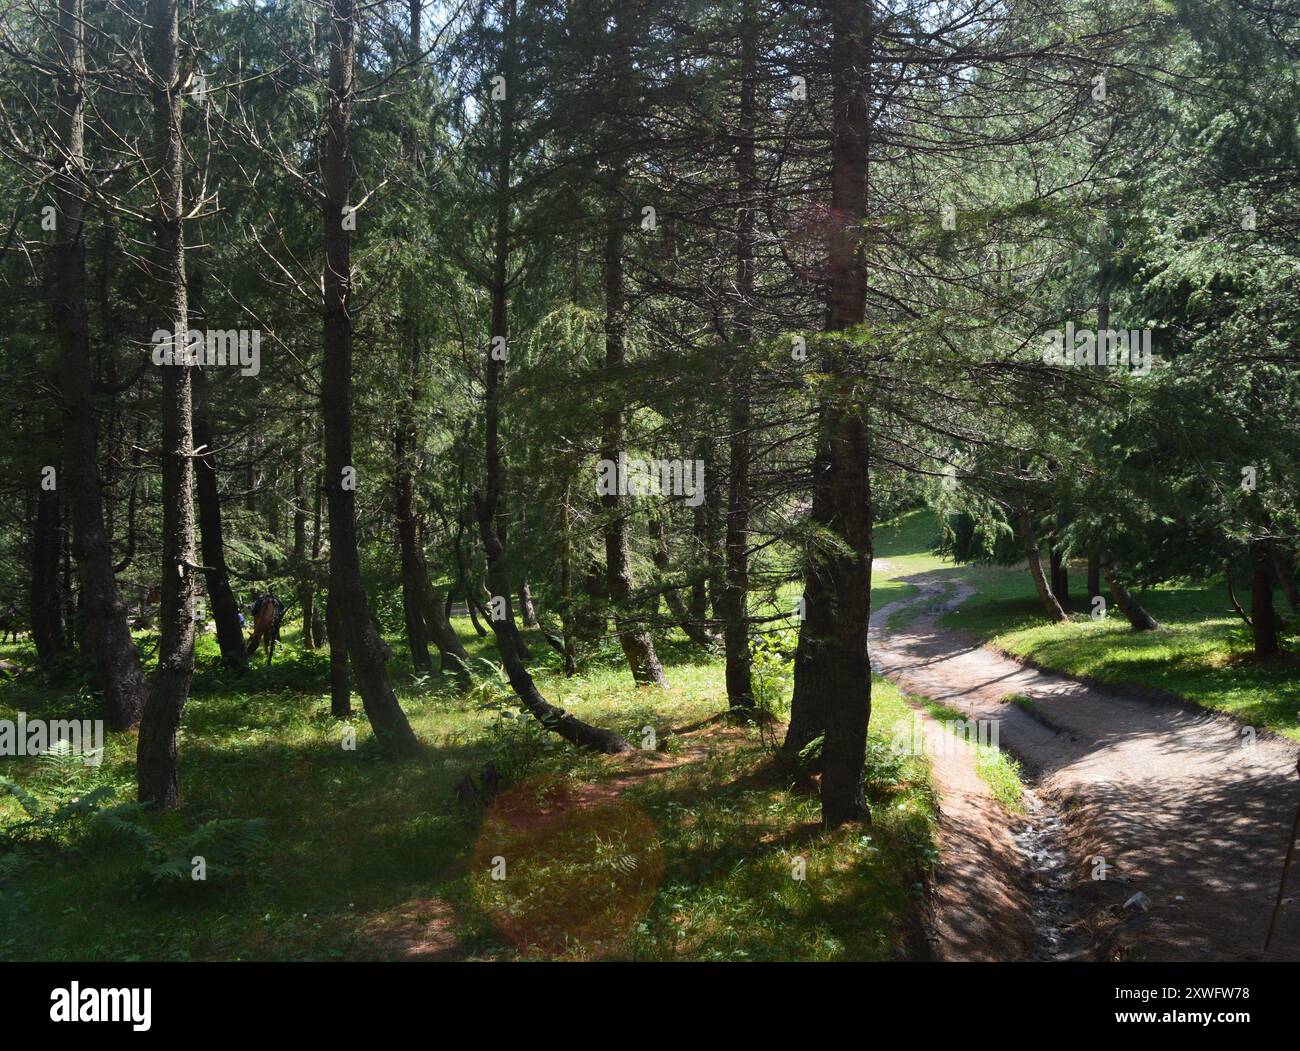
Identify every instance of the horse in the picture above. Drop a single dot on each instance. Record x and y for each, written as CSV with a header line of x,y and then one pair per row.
x,y
267,614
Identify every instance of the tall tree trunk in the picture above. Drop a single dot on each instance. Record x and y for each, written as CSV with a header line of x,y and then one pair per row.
x,y
566,585
527,610
1138,617
313,626
117,663
635,639
225,607
365,654
487,503
156,750
1263,618
735,594
43,598
340,687
301,567
408,544
1034,559
832,688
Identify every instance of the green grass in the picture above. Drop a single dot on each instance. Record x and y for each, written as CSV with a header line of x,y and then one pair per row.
x,y
1203,655
995,767
352,839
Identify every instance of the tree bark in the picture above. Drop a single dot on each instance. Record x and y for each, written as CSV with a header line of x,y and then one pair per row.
x,y
340,687
117,663
693,629
832,690
735,592
1034,559
1263,618
43,598
635,639
1138,617
387,719
156,750
225,607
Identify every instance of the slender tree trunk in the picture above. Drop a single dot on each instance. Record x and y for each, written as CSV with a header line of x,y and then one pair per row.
x,y
1094,575
1034,559
365,653
313,627
635,639
735,593
225,607
156,750
408,544
832,689
1263,618
43,598
1138,617
526,608
566,586
301,567
487,503
693,629
117,663
340,687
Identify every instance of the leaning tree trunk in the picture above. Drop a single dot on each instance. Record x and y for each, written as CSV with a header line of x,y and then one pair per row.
x,y
832,689
1263,618
1138,617
487,503
156,750
638,647
116,661
1034,559
387,719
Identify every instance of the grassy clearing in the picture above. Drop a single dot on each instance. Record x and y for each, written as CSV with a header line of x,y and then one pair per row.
x,y
353,841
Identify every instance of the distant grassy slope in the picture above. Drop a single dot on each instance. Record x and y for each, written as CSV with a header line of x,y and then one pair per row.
x,y
1204,655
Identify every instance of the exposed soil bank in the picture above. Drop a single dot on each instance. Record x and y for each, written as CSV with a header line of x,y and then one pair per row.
x,y
1179,804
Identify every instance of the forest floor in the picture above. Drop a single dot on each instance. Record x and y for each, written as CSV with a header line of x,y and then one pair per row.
x,y
695,847
698,852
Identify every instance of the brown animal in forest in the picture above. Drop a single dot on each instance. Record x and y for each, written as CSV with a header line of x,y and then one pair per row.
x,y
267,612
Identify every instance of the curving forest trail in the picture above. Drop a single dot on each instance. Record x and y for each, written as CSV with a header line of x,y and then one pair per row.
x,y
1180,803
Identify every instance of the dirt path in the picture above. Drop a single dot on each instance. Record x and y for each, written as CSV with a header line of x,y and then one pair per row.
x,y
1181,805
